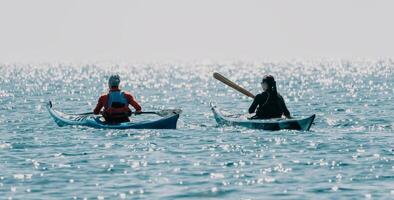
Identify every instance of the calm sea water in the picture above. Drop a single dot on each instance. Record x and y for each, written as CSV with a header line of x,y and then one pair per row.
x,y
349,152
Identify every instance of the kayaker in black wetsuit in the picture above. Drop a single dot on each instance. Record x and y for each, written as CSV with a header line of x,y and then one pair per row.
x,y
269,103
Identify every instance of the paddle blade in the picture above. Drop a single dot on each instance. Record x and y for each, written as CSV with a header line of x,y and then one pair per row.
x,y
161,113
167,112
231,84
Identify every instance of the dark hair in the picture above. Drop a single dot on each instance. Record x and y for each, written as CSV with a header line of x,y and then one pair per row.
x,y
269,79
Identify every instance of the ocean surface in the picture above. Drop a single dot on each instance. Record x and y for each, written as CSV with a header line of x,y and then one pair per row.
x,y
348,154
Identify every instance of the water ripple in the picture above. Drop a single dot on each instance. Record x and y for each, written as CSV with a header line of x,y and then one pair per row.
x,y
347,154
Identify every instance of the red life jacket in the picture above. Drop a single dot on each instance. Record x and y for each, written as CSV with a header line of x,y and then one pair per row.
x,y
117,105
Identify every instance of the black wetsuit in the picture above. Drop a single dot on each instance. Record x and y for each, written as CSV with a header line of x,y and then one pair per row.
x,y
268,107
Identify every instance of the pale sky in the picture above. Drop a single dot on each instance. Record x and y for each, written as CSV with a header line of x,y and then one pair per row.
x,y
129,30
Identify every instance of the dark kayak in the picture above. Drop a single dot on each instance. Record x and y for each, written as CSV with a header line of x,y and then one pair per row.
x,y
167,121
303,124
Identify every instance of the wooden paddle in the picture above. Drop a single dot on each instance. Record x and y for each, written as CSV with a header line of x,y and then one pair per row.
x,y
231,84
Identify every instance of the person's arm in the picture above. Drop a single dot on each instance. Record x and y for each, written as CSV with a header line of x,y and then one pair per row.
x,y
131,100
286,112
255,103
99,106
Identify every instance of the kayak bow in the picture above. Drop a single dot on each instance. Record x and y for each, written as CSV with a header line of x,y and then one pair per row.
x,y
303,124
168,121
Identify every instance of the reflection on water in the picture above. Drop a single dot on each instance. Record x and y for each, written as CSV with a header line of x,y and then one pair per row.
x,y
348,153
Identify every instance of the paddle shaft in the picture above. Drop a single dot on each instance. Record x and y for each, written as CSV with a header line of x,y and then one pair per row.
x,y
150,112
91,113
233,85
161,113
87,113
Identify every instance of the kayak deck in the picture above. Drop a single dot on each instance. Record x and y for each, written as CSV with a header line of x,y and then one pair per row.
x,y
303,124
166,122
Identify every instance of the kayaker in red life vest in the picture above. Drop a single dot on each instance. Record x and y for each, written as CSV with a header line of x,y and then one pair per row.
x,y
269,104
116,103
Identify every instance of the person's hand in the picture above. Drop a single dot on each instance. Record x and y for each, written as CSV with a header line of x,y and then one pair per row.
x,y
137,112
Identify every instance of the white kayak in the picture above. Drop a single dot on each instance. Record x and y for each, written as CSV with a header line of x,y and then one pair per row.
x,y
303,124
167,120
